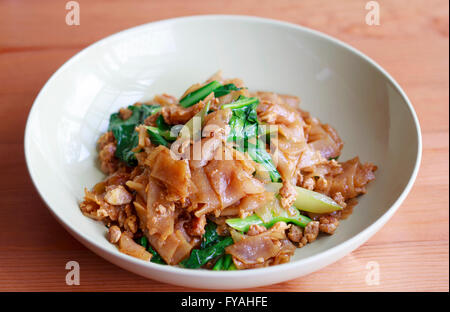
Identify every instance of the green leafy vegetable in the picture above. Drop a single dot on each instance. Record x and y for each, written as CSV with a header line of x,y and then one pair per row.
x,y
199,94
164,133
147,110
127,139
200,257
143,242
243,122
259,154
225,89
244,133
161,134
139,113
161,123
156,258
156,137
211,236
212,246
124,131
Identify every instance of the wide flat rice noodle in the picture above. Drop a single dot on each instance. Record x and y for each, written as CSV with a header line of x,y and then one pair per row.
x,y
254,249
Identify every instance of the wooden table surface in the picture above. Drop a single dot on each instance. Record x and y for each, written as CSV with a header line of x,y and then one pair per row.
x,y
411,43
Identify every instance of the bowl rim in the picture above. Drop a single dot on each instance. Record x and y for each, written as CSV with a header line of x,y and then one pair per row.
x,y
349,244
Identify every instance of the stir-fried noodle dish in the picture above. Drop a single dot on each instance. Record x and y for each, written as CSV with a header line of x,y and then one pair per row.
x,y
221,178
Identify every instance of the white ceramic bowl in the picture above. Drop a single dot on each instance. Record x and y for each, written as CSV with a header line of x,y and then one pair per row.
x,y
336,83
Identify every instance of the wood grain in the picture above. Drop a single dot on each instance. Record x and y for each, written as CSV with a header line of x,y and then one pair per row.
x,y
412,43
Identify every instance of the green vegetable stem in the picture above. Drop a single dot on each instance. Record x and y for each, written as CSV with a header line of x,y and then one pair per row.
x,y
219,265
227,261
199,94
307,200
242,101
223,263
243,225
